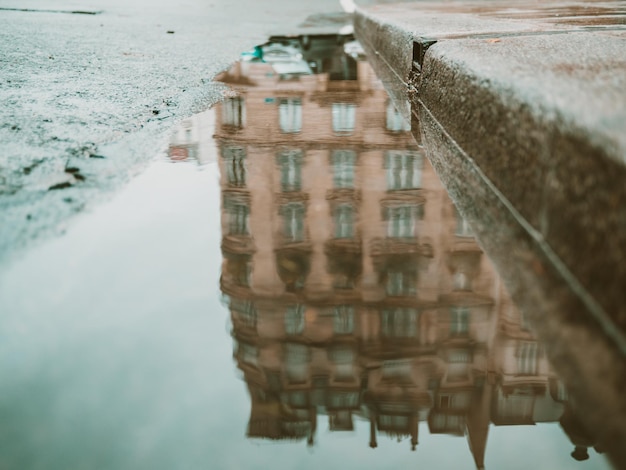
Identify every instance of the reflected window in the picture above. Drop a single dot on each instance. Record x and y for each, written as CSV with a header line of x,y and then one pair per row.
x,y
395,120
401,283
561,392
343,358
297,359
463,228
459,356
458,371
527,358
516,407
344,118
340,421
397,369
273,381
290,115
238,214
404,169
296,428
296,398
343,319
239,269
401,221
234,112
344,221
343,168
294,319
393,421
234,162
290,162
454,401
245,310
461,281
343,281
399,322
247,353
447,422
459,321
293,221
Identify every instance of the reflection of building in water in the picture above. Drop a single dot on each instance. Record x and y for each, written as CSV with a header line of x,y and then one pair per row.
x,y
354,287
189,142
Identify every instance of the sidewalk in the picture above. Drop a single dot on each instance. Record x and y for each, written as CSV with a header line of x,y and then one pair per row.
x,y
521,108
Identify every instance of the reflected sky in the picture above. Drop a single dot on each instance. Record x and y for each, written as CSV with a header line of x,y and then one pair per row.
x,y
289,287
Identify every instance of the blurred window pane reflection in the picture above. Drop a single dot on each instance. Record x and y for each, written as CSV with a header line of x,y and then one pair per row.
x,y
447,422
397,369
461,281
294,319
238,219
246,312
344,118
344,221
399,322
454,401
234,157
459,356
290,115
459,321
527,358
297,359
463,228
293,219
393,421
516,407
343,319
248,353
401,221
404,169
343,360
343,168
395,120
296,398
234,112
290,162
401,283
344,399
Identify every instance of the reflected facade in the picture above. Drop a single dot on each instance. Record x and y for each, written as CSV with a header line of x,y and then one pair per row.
x,y
356,290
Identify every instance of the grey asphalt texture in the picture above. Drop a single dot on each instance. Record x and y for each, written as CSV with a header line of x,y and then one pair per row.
x,y
91,89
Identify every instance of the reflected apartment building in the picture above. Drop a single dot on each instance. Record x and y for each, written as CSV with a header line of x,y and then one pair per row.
x,y
189,142
355,289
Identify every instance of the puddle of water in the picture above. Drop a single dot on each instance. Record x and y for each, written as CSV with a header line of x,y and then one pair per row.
x,y
356,291
352,300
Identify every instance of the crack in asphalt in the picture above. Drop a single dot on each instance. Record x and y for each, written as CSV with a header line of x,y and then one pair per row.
x,y
36,10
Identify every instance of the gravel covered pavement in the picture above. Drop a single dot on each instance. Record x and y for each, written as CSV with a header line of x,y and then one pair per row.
x,y
91,89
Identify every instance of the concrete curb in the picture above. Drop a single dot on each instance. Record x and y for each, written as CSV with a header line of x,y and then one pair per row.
x,y
552,144
525,123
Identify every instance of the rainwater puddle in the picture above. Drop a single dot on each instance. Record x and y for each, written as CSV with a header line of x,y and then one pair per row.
x,y
362,309
291,287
